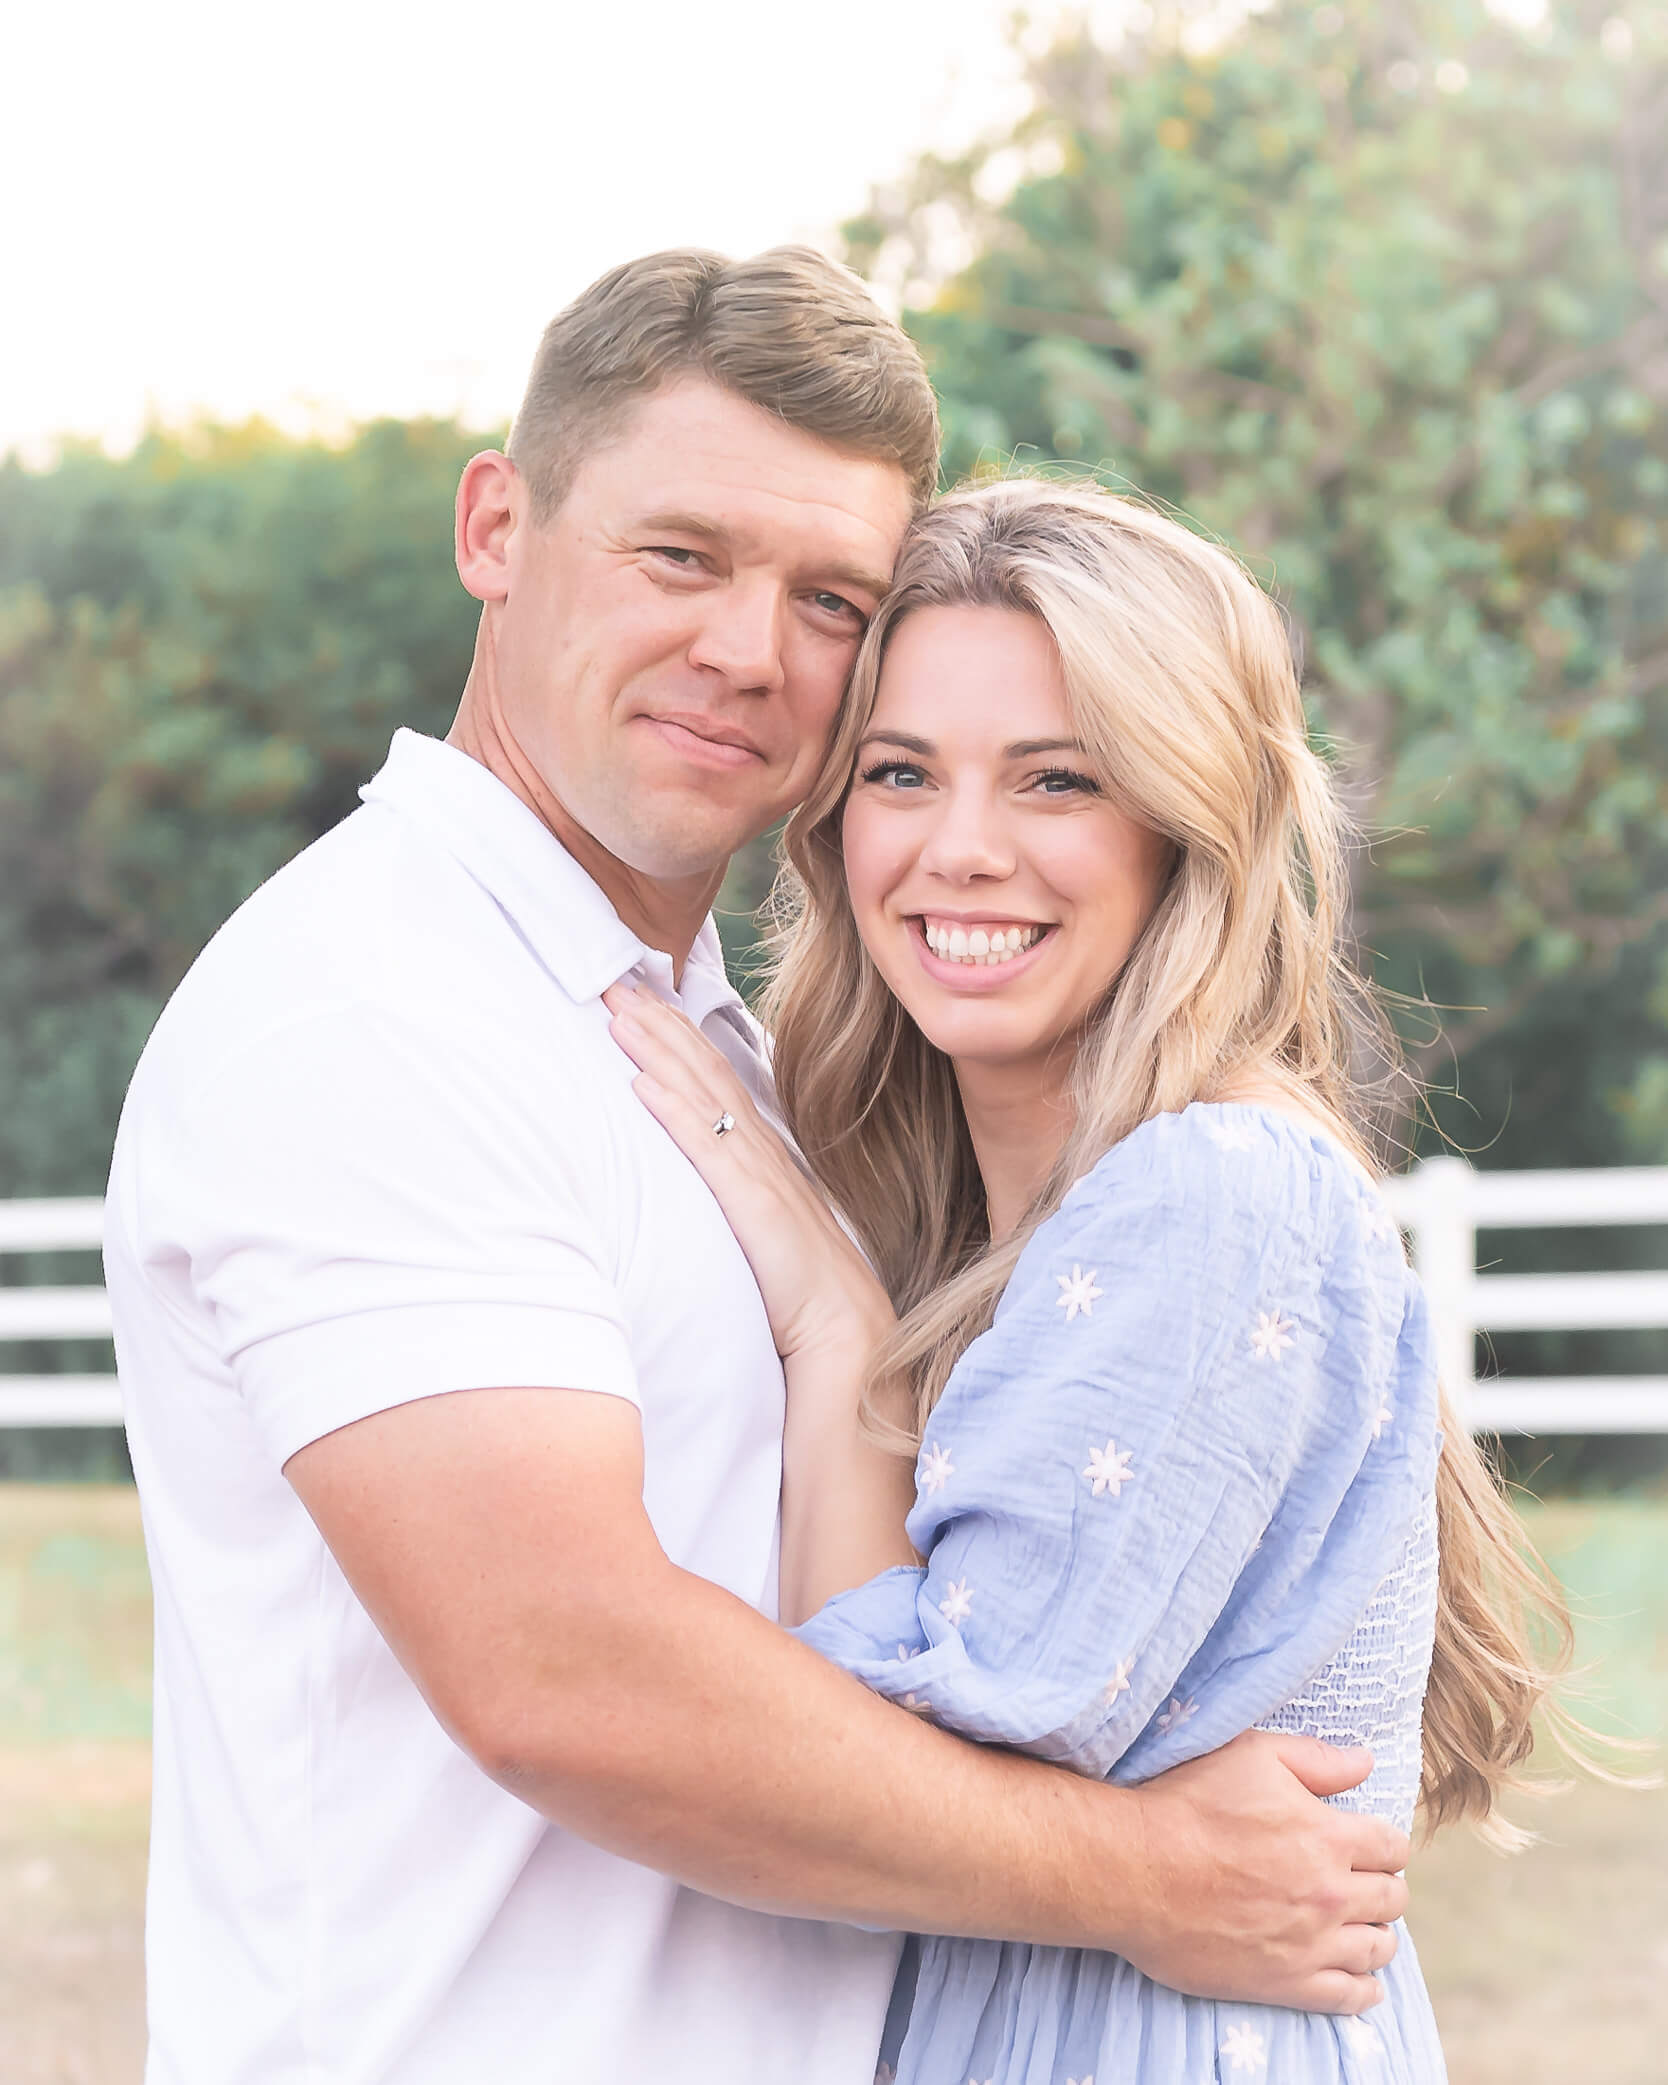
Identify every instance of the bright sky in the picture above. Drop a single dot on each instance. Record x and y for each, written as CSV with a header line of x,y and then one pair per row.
x,y
335,208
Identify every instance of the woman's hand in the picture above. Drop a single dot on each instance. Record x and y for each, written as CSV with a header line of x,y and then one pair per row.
x,y
818,1289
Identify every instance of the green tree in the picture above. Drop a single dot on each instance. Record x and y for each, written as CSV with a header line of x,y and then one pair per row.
x,y
1379,294
204,649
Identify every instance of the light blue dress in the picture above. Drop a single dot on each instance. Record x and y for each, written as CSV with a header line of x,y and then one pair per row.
x,y
1182,1486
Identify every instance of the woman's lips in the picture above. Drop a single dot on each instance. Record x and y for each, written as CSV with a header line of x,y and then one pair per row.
x,y
974,977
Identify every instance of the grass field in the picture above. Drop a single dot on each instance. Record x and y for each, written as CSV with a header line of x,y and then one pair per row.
x,y
1547,1969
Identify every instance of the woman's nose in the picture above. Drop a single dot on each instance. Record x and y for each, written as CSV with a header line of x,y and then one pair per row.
x,y
967,840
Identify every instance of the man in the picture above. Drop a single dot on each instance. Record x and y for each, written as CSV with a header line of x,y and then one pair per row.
x,y
454,1409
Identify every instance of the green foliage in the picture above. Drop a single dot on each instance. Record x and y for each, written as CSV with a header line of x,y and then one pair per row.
x,y
1380,296
1378,293
203,652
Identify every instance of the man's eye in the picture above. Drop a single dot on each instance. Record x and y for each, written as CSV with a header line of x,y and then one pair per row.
x,y
685,560
837,604
901,774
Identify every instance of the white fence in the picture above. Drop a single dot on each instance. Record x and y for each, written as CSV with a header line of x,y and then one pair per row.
x,y
54,1314
1442,1203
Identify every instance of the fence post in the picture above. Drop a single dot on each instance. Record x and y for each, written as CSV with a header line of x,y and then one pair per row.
x,y
1445,1253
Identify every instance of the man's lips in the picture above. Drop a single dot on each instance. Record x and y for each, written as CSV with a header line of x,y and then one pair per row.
x,y
703,742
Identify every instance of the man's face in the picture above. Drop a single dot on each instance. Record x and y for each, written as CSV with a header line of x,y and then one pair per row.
x,y
672,645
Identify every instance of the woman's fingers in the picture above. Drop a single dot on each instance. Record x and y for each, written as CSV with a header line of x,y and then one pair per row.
x,y
660,1041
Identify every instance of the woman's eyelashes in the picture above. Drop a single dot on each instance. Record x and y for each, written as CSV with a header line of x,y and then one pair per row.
x,y
1051,781
903,773
1061,781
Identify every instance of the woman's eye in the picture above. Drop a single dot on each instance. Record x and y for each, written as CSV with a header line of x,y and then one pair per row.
x,y
1066,781
896,774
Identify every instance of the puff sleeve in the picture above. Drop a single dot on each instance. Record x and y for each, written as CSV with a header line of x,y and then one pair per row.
x,y
1157,1495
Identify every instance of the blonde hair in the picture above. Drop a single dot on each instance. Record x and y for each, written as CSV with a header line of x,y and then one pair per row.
x,y
788,330
1182,688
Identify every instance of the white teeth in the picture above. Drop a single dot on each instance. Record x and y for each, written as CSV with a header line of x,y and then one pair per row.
x,y
979,944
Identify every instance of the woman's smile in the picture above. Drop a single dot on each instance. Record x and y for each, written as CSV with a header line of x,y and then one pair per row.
x,y
998,885
984,956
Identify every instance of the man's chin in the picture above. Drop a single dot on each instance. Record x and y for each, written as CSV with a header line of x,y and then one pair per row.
x,y
682,853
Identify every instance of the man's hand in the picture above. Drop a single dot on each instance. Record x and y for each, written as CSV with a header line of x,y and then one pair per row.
x,y
499,1541
1257,1891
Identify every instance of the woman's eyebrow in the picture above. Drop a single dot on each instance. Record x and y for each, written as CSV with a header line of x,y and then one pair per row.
x,y
906,739
1021,749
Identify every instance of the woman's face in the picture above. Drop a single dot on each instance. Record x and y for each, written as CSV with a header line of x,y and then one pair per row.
x,y
997,888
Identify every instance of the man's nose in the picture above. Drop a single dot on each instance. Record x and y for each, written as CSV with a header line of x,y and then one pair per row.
x,y
741,636
967,839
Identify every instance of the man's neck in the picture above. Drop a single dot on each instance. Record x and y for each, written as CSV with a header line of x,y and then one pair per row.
x,y
662,914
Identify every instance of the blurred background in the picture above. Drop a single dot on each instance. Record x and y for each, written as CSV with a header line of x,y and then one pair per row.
x,y
1376,290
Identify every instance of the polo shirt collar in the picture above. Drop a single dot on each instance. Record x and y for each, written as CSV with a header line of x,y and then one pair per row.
x,y
557,908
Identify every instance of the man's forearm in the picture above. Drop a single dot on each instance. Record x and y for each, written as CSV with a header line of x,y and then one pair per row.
x,y
497,1541
707,1743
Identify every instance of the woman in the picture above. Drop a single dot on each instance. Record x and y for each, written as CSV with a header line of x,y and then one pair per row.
x,y
1064,1035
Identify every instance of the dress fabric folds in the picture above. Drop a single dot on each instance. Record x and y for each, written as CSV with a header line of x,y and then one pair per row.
x,y
1182,1486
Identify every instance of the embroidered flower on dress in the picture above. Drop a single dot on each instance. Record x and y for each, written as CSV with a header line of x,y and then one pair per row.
x,y
1228,1134
1244,2049
1382,1227
1175,1715
957,1603
1119,1682
1109,1468
936,1466
1382,1417
1272,1335
1361,2039
905,1653
1080,1293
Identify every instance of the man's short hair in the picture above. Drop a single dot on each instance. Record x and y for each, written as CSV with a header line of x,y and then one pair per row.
x,y
789,330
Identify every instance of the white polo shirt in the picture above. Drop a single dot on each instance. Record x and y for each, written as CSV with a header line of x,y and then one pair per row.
x,y
381,1146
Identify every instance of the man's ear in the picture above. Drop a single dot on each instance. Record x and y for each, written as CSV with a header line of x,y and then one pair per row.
x,y
491,505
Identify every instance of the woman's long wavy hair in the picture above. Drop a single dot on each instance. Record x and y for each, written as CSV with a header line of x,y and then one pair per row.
x,y
1182,689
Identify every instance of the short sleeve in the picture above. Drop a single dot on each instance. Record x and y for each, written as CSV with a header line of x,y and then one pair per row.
x,y
1159,1492
367,1220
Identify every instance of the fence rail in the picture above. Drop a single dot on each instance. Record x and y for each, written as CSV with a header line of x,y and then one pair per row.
x,y
1442,1204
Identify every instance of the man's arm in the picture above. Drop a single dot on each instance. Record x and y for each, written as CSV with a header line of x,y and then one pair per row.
x,y
498,1539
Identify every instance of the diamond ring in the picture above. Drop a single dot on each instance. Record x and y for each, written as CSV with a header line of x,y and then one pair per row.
x,y
725,1123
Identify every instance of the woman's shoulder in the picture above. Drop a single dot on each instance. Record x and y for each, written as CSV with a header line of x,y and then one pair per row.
x,y
1218,1165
